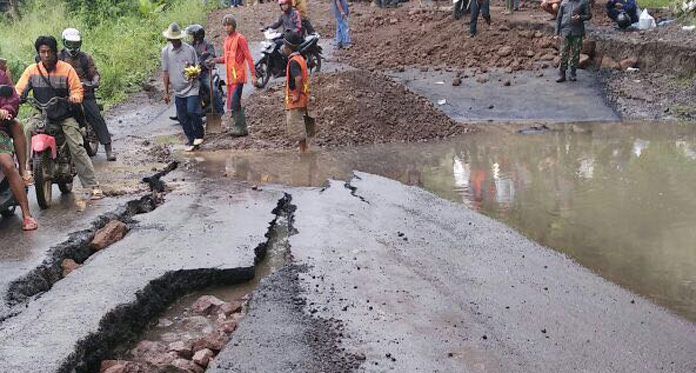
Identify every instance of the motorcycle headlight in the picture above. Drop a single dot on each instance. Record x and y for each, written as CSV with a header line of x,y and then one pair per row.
x,y
41,125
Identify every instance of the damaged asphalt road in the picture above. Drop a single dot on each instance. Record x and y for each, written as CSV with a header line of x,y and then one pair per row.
x,y
420,284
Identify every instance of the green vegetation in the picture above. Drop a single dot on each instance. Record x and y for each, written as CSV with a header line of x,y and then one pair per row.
x,y
124,36
655,3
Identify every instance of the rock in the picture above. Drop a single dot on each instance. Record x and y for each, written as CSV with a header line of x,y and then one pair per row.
x,y
585,61
110,233
424,69
481,80
589,47
547,57
530,53
200,323
231,307
505,51
507,83
628,62
68,265
121,366
456,82
181,348
228,327
187,366
609,63
164,323
504,28
153,353
213,341
106,364
557,61
206,305
538,34
399,69
203,357
393,21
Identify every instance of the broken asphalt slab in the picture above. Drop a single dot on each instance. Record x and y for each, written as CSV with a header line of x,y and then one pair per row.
x,y
422,284
206,234
526,98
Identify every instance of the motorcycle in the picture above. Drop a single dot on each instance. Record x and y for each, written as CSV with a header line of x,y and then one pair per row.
x,y
461,7
273,64
218,84
50,156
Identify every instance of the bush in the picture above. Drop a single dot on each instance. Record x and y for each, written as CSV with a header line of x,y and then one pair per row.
x,y
125,43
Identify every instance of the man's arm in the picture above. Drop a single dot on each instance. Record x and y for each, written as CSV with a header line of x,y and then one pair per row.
x,y
23,86
77,93
11,104
559,18
586,12
165,75
277,23
92,71
248,57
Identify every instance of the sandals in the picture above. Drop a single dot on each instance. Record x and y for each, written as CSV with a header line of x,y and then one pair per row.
x,y
29,224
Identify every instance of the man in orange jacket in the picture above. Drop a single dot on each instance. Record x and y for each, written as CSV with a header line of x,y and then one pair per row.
x,y
235,53
296,90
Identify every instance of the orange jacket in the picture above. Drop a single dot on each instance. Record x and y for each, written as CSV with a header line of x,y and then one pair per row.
x,y
63,80
304,90
235,53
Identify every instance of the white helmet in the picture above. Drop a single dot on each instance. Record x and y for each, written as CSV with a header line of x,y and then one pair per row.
x,y
72,40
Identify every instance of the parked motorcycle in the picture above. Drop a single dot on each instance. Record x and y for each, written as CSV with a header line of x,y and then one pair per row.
x,y
273,64
50,156
461,7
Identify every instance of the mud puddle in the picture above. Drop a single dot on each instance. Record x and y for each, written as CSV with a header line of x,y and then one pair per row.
x,y
617,198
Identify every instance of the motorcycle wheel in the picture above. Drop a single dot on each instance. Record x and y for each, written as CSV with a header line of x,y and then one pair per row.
x,y
458,9
91,141
43,184
262,74
65,188
8,212
314,63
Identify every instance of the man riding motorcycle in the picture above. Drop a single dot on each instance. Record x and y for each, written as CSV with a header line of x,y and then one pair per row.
x,y
51,78
87,71
290,19
205,52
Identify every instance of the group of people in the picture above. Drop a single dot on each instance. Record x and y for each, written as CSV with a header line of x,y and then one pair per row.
x,y
69,73
178,57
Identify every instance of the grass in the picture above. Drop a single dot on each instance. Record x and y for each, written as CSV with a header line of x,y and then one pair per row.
x,y
126,48
655,3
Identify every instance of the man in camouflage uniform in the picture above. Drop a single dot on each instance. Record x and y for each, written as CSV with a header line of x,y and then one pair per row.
x,y
570,24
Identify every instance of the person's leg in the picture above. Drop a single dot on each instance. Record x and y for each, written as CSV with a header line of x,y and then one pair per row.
x,y
94,117
346,33
184,118
575,49
473,17
193,107
565,51
240,127
486,11
337,39
83,164
16,184
28,130
20,146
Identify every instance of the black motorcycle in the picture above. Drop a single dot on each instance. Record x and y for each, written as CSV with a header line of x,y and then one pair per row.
x,y
273,64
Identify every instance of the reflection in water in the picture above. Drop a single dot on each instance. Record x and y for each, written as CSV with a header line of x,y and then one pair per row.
x,y
619,199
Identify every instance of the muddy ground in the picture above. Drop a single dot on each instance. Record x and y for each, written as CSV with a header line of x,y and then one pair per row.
x,y
350,108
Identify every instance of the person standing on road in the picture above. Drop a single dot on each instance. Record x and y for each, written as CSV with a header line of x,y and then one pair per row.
x,y
570,24
296,90
205,51
86,70
51,78
482,6
235,54
176,57
340,10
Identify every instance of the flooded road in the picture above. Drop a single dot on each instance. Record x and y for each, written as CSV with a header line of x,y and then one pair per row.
x,y
617,198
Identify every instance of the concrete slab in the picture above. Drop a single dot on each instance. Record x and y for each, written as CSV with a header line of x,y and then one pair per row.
x,y
172,251
424,285
528,99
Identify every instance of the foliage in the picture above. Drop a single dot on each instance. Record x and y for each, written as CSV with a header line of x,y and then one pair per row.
x,y
126,47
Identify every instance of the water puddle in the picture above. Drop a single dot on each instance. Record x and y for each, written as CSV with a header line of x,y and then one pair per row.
x,y
619,199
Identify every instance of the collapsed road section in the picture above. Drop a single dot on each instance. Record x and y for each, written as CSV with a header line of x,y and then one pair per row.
x,y
118,291
420,284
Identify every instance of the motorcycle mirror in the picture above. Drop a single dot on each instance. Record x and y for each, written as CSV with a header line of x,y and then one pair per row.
x,y
6,91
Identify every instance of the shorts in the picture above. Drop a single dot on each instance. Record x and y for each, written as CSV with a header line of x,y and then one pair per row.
x,y
295,125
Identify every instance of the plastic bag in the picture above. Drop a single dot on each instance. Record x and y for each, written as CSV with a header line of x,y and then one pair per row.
x,y
646,21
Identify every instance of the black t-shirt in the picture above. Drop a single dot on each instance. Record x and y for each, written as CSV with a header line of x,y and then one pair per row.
x,y
295,71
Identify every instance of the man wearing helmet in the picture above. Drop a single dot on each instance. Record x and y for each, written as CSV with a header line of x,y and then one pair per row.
x,y
86,70
205,52
290,19
623,12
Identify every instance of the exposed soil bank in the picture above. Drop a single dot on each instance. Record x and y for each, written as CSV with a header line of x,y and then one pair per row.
x,y
351,108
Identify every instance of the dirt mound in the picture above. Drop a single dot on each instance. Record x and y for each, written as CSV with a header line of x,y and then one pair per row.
x,y
351,108
427,36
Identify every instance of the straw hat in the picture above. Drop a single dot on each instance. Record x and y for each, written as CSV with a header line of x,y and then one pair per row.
x,y
174,32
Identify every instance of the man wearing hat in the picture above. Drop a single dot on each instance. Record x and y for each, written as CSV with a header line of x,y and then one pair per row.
x,y
176,57
296,90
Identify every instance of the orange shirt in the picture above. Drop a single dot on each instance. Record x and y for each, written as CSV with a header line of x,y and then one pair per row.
x,y
235,53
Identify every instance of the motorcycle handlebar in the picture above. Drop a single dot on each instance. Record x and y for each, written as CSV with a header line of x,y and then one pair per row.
x,y
35,103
